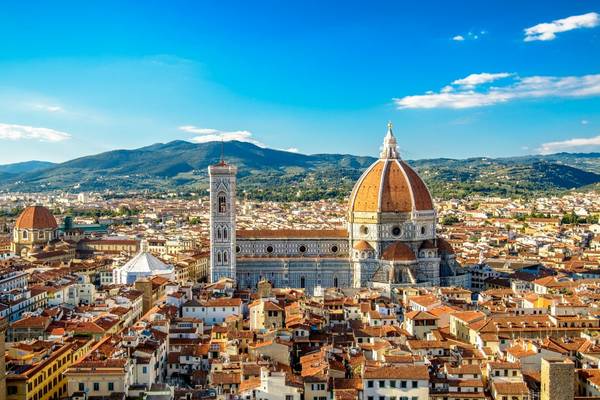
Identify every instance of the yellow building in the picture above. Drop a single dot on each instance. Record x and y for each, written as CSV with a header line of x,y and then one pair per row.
x,y
38,373
266,314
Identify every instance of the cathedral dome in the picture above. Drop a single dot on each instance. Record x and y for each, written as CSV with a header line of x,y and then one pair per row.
x,y
398,251
390,185
36,217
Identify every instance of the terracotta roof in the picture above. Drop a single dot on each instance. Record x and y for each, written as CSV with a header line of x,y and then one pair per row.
x,y
32,322
390,185
398,372
518,388
347,383
270,306
36,217
250,384
472,369
420,315
224,302
591,375
398,251
504,365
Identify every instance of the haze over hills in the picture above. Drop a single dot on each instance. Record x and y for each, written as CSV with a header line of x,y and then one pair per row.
x,y
274,174
26,166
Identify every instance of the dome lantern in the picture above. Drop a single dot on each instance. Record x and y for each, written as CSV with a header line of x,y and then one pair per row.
x,y
390,146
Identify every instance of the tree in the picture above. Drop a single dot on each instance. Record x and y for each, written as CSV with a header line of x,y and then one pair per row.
x,y
450,220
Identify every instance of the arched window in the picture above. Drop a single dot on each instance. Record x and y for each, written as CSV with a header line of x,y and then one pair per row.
x,y
302,282
224,256
219,233
25,235
225,233
218,257
222,202
335,281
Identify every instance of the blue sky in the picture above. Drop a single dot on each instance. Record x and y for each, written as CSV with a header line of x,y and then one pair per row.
x,y
458,79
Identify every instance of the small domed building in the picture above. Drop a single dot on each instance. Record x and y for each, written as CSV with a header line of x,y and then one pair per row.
x,y
34,229
142,266
390,238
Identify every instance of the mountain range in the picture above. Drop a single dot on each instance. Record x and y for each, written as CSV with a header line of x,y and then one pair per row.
x,y
274,174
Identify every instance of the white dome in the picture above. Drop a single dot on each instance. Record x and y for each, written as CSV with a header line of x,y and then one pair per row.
x,y
143,265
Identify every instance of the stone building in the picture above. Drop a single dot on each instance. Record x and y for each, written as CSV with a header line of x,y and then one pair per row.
x,y
390,238
557,379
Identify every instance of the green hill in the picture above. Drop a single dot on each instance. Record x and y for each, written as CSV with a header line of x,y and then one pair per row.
x,y
274,174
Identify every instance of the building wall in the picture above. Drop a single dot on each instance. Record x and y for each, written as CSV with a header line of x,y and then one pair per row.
x,y
273,387
557,380
13,280
210,315
304,273
292,247
421,392
119,379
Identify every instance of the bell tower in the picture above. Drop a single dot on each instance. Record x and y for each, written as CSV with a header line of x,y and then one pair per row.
x,y
222,180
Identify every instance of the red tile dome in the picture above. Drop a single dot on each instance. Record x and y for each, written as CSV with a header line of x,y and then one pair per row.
x,y
398,251
390,185
36,217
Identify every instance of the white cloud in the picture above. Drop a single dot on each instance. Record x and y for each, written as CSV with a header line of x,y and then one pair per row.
x,y
584,122
479,79
469,36
518,88
570,144
22,132
47,107
213,135
548,30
